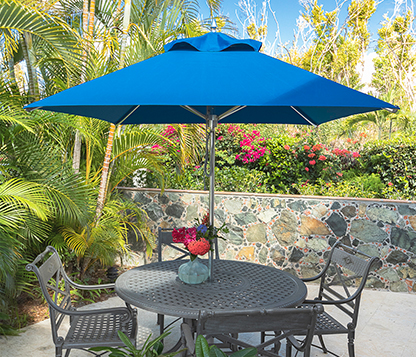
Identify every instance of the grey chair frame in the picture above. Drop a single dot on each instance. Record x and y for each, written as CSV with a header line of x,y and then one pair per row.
x,y
358,265
88,328
225,326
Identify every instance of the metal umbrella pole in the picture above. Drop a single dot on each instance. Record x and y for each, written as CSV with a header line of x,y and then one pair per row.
x,y
212,121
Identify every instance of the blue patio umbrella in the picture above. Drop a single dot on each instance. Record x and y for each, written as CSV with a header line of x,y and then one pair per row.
x,y
212,78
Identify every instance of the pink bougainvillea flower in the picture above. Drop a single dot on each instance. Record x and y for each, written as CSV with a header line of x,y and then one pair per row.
x,y
307,169
199,247
355,154
287,147
339,174
322,158
197,167
312,162
390,184
178,235
306,147
220,137
311,155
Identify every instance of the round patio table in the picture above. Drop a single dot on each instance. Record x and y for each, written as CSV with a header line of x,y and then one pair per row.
x,y
237,285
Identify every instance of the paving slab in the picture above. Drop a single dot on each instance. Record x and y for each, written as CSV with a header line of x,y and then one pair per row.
x,y
386,328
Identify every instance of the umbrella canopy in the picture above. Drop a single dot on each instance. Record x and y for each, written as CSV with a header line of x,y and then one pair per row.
x,y
212,70
213,77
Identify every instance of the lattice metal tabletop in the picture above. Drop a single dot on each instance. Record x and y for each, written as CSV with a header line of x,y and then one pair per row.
x,y
237,285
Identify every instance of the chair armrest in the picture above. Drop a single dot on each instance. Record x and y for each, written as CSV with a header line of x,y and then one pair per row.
x,y
117,310
92,287
330,302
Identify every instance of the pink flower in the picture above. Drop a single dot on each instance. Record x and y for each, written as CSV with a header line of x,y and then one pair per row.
x,y
307,168
311,155
220,137
390,184
322,158
355,154
287,147
312,162
339,174
178,235
306,147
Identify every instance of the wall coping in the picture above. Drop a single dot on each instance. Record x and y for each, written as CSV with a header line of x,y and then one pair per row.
x,y
359,199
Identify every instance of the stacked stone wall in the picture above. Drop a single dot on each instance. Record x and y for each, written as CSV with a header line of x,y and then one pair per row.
x,y
295,233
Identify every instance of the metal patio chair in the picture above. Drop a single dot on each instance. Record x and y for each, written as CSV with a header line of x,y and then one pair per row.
x,y
225,326
88,328
348,268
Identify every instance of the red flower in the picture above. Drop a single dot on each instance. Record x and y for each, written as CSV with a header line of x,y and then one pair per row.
x,y
199,247
311,155
306,147
287,147
312,162
355,154
322,158
205,220
390,184
339,174
307,168
178,235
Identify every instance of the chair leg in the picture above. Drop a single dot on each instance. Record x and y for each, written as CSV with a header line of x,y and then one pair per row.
x,y
288,348
161,321
351,351
321,340
67,352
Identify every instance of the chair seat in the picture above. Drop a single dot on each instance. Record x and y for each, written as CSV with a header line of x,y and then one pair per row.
x,y
326,324
98,330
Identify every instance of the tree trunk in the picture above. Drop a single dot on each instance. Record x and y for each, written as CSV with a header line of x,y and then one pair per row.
x,y
76,160
105,172
26,41
104,175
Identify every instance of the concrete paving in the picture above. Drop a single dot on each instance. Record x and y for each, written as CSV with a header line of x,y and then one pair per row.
x,y
386,328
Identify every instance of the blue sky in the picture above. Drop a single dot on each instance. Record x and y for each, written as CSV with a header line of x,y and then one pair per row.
x,y
287,11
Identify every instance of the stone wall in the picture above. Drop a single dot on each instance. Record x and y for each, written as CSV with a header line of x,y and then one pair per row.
x,y
295,233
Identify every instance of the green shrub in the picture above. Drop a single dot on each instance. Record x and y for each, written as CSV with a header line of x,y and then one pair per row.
x,y
394,161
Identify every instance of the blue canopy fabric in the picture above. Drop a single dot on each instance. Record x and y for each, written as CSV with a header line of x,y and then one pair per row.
x,y
218,71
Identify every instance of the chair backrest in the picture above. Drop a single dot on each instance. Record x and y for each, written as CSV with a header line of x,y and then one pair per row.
x,y
291,321
164,238
348,268
55,286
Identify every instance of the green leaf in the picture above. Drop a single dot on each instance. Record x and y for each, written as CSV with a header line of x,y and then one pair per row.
x,y
201,347
126,340
247,352
216,352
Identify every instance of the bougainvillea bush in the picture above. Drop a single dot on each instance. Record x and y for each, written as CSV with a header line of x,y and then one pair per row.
x,y
247,160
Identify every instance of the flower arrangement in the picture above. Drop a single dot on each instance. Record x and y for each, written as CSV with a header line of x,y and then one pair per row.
x,y
198,240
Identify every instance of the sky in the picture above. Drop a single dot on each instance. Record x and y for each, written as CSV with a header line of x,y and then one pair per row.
x,y
288,11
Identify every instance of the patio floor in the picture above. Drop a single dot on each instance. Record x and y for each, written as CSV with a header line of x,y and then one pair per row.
x,y
386,328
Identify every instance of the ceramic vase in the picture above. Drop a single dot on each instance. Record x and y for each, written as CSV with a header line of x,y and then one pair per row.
x,y
193,272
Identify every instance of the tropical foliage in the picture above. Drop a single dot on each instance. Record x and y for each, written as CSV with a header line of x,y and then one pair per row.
x,y
58,173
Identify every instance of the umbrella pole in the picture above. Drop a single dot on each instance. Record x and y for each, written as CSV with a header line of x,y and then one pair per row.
x,y
212,121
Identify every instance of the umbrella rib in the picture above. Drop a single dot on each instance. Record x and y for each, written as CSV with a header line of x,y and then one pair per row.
x,y
303,116
231,111
130,113
194,111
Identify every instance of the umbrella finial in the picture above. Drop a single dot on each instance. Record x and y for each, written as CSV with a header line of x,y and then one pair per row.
x,y
214,26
